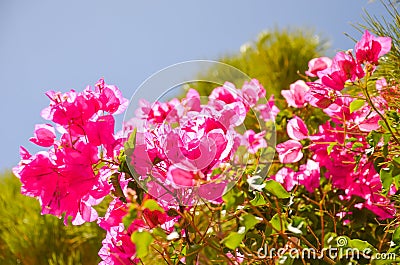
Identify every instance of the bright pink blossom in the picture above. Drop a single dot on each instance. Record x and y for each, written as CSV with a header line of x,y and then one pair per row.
x,y
344,68
289,151
320,96
370,48
287,177
268,111
318,64
297,129
252,91
118,248
44,135
254,141
295,95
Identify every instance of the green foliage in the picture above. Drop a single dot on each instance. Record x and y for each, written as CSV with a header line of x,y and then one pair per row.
x,y
26,237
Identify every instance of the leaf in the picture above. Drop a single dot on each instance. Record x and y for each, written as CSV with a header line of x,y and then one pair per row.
x,y
396,236
233,198
356,105
278,223
386,179
152,205
330,147
130,144
142,241
233,240
356,145
249,221
276,189
258,200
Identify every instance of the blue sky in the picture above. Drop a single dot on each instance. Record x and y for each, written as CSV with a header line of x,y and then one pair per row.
x,y
59,45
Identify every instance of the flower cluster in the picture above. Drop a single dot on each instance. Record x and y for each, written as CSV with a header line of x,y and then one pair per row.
x,y
339,145
181,143
72,175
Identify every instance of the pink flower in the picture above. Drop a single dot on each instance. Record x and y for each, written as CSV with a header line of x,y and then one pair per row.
x,y
113,217
252,91
254,141
118,248
370,48
268,111
44,135
295,95
320,96
309,175
287,177
226,94
343,68
289,151
110,98
297,129
318,64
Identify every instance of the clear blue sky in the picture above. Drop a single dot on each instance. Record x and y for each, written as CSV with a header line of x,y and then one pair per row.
x,y
58,45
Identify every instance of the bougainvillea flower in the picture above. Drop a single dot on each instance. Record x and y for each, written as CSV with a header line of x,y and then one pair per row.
x,y
287,177
370,48
295,95
44,135
252,91
118,248
268,111
254,141
343,68
289,151
320,96
297,129
318,64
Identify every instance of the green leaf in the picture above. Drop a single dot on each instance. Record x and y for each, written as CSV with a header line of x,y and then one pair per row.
x,y
142,241
396,236
258,200
356,145
330,147
130,144
279,223
356,105
361,245
233,240
152,205
233,198
386,179
249,221
276,189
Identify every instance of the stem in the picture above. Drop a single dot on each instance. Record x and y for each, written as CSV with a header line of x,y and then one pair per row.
x,y
369,100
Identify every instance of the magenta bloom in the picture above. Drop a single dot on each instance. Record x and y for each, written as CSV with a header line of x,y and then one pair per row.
x,y
254,141
287,177
118,248
297,129
344,68
44,135
252,91
320,96
309,175
268,111
370,48
318,64
295,95
289,151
